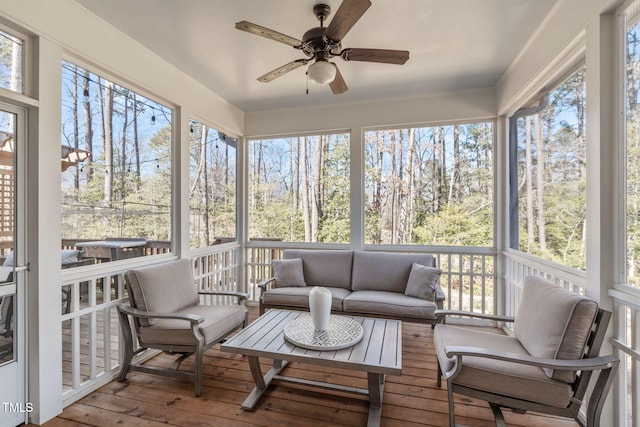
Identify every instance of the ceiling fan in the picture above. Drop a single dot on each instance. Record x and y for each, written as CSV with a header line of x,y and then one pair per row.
x,y
320,44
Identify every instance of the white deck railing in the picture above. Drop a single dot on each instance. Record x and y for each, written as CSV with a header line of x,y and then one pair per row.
x,y
468,274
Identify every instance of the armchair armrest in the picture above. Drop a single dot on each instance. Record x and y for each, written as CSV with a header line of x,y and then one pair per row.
x,y
589,364
442,315
194,319
242,296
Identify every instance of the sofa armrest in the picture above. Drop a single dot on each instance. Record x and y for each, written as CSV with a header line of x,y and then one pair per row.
x,y
266,284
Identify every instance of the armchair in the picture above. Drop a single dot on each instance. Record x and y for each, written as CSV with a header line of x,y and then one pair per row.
x,y
167,315
544,367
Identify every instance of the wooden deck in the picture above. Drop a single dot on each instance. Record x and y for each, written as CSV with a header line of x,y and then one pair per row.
x,y
411,399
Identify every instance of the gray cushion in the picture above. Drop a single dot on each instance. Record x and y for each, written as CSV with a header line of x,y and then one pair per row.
x,y
324,267
384,271
69,256
218,321
298,297
165,288
390,304
553,322
423,281
288,272
505,378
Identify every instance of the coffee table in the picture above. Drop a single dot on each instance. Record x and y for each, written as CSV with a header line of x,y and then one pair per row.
x,y
378,353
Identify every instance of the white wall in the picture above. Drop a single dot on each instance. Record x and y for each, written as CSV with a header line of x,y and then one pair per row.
x,y
467,105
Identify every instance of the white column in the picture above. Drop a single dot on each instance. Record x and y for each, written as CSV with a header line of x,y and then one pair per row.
x,y
44,330
602,144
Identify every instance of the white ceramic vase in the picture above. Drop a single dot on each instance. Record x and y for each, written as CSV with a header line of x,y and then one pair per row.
x,y
320,307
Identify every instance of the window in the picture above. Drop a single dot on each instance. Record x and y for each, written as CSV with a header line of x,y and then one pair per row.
x,y
299,188
11,62
212,195
550,160
430,185
633,152
116,170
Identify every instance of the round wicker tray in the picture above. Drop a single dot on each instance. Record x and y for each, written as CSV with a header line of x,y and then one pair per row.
x,y
342,332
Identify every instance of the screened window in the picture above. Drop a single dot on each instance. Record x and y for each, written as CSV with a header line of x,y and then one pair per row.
x,y
299,188
11,62
116,161
551,172
430,185
212,195
633,152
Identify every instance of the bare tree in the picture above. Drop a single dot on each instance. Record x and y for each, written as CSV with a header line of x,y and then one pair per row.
x,y
108,143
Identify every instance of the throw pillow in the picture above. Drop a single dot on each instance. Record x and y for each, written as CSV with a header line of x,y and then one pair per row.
x,y
288,272
423,281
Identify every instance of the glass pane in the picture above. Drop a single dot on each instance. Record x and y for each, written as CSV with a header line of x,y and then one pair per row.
x,y
212,201
430,186
299,189
7,326
633,154
552,177
11,62
116,161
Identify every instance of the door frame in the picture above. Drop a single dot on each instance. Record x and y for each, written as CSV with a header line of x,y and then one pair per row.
x,y
14,409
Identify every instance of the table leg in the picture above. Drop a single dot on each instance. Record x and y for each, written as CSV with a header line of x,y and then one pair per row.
x,y
376,388
261,382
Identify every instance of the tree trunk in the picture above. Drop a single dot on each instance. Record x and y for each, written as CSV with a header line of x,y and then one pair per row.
x,y
317,210
205,184
136,143
529,183
76,127
108,143
542,238
305,189
88,126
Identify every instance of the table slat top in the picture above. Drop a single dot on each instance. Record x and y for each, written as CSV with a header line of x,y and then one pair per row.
x,y
379,351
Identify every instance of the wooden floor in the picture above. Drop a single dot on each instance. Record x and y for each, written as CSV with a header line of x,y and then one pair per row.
x,y
411,399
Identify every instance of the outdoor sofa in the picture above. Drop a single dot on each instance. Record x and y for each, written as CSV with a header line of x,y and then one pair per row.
x,y
404,286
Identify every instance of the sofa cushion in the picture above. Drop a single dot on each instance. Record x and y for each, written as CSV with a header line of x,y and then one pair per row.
x,y
324,267
391,304
495,376
218,321
384,271
299,297
423,281
288,272
164,288
553,322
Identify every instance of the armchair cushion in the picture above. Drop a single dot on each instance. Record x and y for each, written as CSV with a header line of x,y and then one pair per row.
x,y
423,281
166,288
288,272
496,376
553,322
218,321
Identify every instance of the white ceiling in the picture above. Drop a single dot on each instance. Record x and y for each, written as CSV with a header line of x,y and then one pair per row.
x,y
453,44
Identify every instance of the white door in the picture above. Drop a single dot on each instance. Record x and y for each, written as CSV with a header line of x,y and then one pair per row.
x,y
13,405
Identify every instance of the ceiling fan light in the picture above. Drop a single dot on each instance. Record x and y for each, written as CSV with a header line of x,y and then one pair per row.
x,y
322,72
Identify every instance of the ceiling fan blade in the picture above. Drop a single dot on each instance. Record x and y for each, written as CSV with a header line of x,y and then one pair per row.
x,y
347,15
338,85
282,70
386,56
268,33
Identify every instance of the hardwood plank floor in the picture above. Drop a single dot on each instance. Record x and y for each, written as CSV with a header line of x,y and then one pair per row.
x,y
412,399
